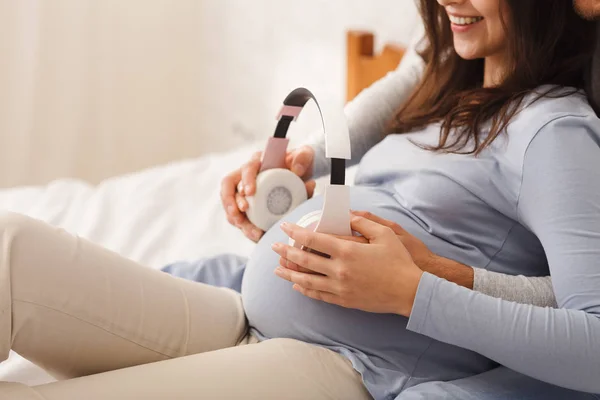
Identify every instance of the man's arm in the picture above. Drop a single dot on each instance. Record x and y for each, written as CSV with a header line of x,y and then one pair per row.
x,y
370,112
520,289
532,290
446,268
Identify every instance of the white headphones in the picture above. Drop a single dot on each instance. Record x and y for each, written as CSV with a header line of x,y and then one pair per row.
x,y
279,190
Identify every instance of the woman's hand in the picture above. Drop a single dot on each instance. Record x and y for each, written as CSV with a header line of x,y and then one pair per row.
x,y
378,276
425,259
418,251
242,182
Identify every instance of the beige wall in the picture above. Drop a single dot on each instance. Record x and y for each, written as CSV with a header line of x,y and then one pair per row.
x,y
95,88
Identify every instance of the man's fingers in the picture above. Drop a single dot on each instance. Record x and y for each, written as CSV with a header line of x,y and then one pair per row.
x,y
356,239
386,222
371,230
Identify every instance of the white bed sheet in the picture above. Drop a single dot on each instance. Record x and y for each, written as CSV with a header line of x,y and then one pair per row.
x,y
155,217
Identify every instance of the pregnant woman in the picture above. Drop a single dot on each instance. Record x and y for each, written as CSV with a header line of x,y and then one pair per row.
x,y
496,166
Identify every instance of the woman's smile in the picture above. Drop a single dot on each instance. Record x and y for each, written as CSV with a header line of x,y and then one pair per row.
x,y
462,24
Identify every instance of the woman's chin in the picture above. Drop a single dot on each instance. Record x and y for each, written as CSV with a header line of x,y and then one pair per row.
x,y
467,54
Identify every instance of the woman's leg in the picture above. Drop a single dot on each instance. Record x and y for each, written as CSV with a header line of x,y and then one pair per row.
x,y
76,309
278,369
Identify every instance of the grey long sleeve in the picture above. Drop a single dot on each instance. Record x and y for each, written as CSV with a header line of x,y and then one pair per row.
x,y
373,108
532,290
559,202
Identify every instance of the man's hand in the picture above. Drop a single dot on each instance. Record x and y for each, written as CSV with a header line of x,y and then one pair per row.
x,y
421,255
428,261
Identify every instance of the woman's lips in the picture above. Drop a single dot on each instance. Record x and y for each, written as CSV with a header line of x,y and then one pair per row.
x,y
462,24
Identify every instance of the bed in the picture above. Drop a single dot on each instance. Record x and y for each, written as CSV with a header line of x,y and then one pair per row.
x,y
166,213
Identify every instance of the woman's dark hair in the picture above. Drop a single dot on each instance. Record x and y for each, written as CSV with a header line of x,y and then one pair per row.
x,y
547,42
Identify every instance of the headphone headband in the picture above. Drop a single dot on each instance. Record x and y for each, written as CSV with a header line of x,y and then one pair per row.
x,y
335,214
292,106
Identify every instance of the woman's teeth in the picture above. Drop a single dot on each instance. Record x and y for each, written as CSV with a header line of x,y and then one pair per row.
x,y
464,20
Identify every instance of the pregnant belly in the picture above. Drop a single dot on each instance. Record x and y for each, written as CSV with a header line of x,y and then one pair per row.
x,y
275,310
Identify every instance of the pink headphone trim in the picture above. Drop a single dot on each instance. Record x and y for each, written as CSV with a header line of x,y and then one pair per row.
x,y
274,155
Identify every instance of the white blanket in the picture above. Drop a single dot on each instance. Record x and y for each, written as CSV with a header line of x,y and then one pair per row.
x,y
155,217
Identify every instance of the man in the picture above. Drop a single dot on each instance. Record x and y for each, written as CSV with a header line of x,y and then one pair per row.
x,y
588,9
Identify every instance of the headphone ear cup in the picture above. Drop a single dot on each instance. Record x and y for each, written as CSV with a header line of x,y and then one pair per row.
x,y
278,191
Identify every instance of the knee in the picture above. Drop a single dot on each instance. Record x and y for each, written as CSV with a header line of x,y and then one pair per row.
x,y
11,221
18,228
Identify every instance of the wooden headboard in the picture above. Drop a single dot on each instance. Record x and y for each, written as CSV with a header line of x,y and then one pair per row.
x,y
364,67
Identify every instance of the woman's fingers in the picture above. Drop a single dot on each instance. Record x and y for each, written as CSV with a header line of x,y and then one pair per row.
x,y
310,188
250,230
300,161
241,202
229,188
307,281
321,296
242,182
249,173
304,259
317,287
228,197
348,278
320,242
293,266
242,222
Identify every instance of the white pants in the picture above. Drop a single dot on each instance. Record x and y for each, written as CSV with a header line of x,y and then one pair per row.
x,y
112,329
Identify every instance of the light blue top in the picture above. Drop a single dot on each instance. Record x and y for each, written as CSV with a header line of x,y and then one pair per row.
x,y
529,204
